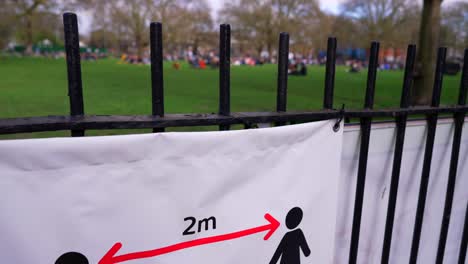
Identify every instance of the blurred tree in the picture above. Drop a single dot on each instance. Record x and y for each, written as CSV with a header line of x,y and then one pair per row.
x,y
257,23
115,19
185,22
426,57
454,28
133,16
389,21
105,32
173,14
200,28
253,24
33,17
7,20
123,25
102,38
26,12
46,25
308,25
347,32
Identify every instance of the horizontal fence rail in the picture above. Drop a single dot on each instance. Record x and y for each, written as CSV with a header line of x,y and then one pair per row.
x,y
55,123
77,122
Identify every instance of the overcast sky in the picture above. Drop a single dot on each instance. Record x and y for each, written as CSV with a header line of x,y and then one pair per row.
x,y
331,6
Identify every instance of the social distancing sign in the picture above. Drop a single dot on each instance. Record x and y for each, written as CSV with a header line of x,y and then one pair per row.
x,y
250,196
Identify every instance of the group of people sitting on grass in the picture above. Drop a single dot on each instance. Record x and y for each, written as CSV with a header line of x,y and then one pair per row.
x,y
202,62
356,66
297,64
211,60
297,67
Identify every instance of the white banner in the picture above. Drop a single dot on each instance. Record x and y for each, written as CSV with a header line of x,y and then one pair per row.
x,y
379,169
250,196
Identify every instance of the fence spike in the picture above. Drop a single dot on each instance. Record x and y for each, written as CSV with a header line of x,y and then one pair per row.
x,y
464,81
372,75
283,53
330,74
282,85
157,81
224,72
72,49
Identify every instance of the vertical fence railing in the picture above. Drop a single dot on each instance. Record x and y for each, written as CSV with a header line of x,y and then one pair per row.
x,y
157,81
398,154
282,84
330,74
459,119
363,152
225,72
431,128
464,239
72,49
75,92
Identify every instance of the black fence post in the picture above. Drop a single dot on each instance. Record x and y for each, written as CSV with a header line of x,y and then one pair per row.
x,y
459,118
72,49
330,74
157,81
400,139
464,240
282,85
224,72
432,125
364,151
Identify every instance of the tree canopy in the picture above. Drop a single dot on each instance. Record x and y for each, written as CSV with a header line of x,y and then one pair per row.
x,y
123,25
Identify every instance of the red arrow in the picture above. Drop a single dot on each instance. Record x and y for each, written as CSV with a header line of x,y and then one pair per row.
x,y
110,258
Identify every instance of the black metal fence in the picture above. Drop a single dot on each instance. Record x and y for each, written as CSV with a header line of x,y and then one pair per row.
x,y
78,122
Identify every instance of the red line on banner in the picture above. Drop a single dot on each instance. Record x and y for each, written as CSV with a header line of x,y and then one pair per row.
x,y
110,258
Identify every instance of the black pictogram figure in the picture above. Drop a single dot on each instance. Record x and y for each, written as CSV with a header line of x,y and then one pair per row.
x,y
72,258
293,241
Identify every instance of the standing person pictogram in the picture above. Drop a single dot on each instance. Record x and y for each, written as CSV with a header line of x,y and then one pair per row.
x,y
293,241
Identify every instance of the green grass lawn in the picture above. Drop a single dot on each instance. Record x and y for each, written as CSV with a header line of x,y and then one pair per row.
x,y
38,87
